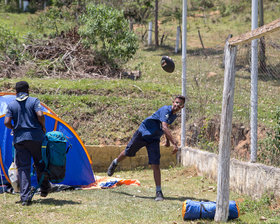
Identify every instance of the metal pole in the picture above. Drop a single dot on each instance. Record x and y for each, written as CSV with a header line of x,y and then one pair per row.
x,y
184,71
254,85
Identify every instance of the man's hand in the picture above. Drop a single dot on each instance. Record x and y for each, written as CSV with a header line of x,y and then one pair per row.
x,y
167,142
175,149
44,129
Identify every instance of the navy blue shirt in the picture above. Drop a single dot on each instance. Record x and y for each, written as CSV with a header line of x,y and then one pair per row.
x,y
151,127
26,123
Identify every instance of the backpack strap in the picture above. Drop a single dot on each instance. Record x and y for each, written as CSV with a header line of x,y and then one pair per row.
x,y
201,209
44,152
69,147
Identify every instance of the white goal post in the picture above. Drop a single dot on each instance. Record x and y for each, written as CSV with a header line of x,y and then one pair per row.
x,y
227,111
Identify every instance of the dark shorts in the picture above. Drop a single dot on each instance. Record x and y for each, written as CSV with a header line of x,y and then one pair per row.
x,y
137,142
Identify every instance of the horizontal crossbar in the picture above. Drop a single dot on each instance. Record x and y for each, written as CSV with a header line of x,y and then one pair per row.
x,y
256,33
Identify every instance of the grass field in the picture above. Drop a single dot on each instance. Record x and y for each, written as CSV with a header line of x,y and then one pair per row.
x,y
17,22
108,111
132,204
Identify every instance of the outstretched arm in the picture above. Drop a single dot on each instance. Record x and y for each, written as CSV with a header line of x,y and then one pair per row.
x,y
169,137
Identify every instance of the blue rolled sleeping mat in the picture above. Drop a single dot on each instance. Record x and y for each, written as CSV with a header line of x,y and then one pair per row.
x,y
206,210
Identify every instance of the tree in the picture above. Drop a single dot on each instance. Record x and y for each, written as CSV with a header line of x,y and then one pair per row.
x,y
137,11
107,31
156,22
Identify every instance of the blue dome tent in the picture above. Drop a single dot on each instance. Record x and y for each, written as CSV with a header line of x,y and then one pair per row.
x,y
78,163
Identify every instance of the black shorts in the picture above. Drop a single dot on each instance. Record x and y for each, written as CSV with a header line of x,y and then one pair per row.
x,y
137,142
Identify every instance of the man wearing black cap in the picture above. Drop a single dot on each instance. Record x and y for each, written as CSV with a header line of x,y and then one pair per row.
x,y
29,130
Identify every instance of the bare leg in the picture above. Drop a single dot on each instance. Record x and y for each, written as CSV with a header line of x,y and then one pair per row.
x,y
157,175
121,156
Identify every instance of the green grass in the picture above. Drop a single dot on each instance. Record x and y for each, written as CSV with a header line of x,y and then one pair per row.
x,y
17,22
131,204
123,104
109,111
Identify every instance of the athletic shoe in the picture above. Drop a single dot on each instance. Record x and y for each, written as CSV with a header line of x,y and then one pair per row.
x,y
20,202
45,191
26,203
112,168
159,196
44,194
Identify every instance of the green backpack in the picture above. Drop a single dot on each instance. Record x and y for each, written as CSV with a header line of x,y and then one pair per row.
x,y
54,150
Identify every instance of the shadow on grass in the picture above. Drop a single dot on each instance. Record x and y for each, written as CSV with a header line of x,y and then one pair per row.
x,y
179,198
52,201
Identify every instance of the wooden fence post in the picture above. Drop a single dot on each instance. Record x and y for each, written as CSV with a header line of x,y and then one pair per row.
x,y
178,34
150,32
225,135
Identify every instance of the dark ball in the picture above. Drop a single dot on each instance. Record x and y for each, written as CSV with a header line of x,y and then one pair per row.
x,y
167,64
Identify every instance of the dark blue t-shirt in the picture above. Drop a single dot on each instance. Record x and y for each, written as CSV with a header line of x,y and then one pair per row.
x,y
26,123
151,127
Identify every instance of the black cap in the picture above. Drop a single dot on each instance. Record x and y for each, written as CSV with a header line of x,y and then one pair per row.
x,y
22,86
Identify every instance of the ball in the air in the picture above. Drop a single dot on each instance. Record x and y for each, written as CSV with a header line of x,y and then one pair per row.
x,y
167,64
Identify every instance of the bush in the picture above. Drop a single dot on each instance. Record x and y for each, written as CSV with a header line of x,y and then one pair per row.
x,y
54,20
107,31
196,4
269,150
233,8
12,7
9,43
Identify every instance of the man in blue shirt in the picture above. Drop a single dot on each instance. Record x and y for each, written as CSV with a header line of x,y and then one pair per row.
x,y
28,130
149,134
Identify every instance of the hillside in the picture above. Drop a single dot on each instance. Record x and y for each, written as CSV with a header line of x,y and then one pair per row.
x,y
104,107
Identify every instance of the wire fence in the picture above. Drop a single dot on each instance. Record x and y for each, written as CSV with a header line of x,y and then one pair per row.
x,y
269,57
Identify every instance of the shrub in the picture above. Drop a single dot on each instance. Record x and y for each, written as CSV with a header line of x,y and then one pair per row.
x,y
269,150
54,20
233,8
9,43
107,31
12,7
196,4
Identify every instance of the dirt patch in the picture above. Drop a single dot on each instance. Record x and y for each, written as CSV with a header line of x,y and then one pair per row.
x,y
188,173
208,131
275,205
